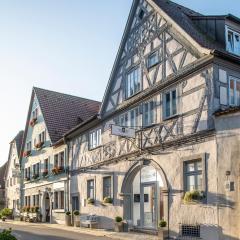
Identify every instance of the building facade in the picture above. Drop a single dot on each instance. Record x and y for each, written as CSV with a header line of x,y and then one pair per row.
x,y
2,186
174,80
44,162
12,175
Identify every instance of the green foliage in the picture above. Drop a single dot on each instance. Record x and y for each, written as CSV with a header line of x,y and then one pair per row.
x,y
6,235
118,219
76,213
68,213
90,201
193,196
107,200
6,212
162,223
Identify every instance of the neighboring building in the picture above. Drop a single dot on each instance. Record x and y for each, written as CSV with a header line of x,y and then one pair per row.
x,y
45,157
2,186
174,70
12,175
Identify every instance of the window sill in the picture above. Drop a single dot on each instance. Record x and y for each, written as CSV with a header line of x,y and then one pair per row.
x,y
151,67
171,117
132,96
95,148
58,210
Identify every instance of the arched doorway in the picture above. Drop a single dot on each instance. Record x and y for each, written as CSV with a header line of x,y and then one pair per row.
x,y
46,207
145,195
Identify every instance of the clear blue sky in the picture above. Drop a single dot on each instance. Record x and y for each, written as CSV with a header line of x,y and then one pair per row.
x,y
63,45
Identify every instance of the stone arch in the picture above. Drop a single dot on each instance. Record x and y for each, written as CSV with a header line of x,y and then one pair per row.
x,y
126,189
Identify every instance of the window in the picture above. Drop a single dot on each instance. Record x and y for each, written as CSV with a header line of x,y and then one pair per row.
x,y
233,41
107,187
170,103
134,114
124,120
41,137
234,91
141,14
61,159
148,113
153,59
90,189
46,164
27,173
56,160
56,199
193,175
95,139
59,200
29,146
35,113
36,168
133,82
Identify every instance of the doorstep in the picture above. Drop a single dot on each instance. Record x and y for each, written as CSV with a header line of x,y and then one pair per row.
x,y
94,232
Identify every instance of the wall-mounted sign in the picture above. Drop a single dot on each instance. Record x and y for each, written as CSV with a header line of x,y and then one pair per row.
x,y
122,131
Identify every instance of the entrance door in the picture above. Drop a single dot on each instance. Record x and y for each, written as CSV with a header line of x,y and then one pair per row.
x,y
75,203
47,208
149,205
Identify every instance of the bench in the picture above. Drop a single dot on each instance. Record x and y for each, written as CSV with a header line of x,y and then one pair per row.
x,y
89,221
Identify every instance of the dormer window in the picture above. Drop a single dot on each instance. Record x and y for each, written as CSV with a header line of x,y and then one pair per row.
x,y
141,14
34,117
35,113
232,41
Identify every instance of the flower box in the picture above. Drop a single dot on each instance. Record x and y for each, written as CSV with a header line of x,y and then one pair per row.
x,y
107,201
45,173
90,201
39,145
57,170
27,179
194,196
35,176
33,122
26,153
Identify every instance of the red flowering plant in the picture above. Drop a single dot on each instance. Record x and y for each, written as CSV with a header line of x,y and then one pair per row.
x,y
33,121
45,172
38,145
57,169
26,153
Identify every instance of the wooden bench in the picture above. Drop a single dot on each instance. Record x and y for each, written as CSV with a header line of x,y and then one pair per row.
x,y
90,221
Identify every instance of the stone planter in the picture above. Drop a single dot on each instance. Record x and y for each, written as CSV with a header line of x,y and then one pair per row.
x,y
162,233
77,221
118,227
68,219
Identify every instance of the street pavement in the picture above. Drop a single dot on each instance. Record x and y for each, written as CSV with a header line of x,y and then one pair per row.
x,y
40,232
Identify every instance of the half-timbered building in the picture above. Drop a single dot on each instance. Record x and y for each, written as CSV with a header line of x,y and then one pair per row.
x,y
163,146
44,161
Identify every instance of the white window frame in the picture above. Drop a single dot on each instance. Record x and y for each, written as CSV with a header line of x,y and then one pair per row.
x,y
231,78
89,188
134,122
111,186
95,138
234,49
151,113
171,103
150,56
132,82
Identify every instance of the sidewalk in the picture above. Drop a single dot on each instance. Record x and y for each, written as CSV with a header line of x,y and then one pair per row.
x,y
93,232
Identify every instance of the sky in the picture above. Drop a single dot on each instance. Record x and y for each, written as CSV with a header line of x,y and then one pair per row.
x,y
63,45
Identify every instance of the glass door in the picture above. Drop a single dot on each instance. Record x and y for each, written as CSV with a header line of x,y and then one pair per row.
x,y
149,205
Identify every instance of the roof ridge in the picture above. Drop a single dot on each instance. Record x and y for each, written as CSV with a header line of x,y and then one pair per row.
x,y
65,94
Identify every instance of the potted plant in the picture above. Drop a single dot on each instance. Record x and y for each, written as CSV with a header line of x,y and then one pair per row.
x,y
118,224
35,176
76,214
107,200
162,230
4,218
193,196
68,219
90,201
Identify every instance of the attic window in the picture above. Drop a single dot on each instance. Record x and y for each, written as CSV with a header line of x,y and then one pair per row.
x,y
232,41
141,14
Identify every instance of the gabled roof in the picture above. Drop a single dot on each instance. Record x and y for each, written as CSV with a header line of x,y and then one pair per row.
x,y
2,174
18,140
62,112
183,17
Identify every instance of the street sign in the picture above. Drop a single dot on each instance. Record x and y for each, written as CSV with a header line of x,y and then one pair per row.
x,y
122,131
